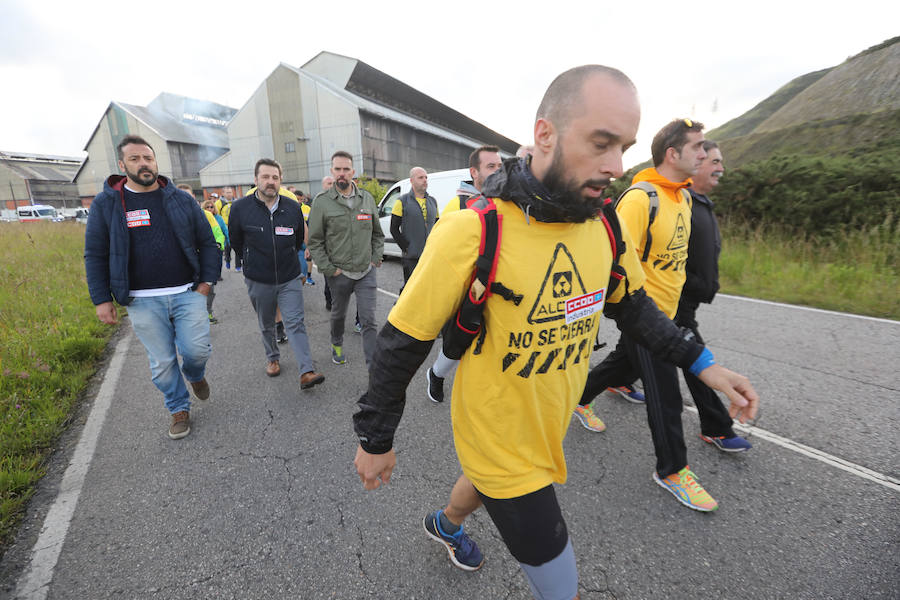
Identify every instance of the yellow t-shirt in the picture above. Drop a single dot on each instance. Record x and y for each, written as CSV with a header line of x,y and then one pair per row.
x,y
398,208
671,231
304,208
452,206
513,402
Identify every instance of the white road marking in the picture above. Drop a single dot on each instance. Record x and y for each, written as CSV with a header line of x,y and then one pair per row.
x,y
819,455
809,308
387,293
34,583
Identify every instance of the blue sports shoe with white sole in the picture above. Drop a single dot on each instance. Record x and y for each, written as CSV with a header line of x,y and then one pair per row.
x,y
464,553
629,393
731,444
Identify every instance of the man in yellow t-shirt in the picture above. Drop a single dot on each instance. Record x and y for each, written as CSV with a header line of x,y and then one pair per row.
x,y
513,400
677,154
483,162
409,228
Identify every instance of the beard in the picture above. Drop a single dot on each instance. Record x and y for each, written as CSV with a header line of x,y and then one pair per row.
x,y
567,200
145,176
342,184
269,191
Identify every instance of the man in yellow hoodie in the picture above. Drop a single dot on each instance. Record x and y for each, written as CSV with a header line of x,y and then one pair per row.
x,y
662,245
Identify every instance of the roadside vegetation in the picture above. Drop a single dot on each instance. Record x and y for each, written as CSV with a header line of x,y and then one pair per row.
x,y
852,270
50,341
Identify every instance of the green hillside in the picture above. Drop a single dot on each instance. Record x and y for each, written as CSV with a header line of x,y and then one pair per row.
x,y
851,135
818,156
748,121
848,109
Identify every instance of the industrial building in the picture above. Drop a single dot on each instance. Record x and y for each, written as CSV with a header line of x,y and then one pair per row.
x,y
38,179
301,116
185,134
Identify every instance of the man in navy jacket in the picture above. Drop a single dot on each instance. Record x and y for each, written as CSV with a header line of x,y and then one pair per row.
x,y
148,246
701,285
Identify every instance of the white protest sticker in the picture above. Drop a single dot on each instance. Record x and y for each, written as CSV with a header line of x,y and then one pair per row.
x,y
137,218
584,306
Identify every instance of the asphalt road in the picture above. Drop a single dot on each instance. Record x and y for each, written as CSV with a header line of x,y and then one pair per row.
x,y
262,501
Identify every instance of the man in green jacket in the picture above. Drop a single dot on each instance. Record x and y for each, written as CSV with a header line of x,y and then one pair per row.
x,y
346,242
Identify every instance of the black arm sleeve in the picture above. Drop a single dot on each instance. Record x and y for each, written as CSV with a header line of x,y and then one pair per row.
x,y
398,236
638,316
397,358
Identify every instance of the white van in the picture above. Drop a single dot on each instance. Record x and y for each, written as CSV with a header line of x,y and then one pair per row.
x,y
36,212
442,185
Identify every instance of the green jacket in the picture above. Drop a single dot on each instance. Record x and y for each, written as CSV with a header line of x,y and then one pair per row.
x,y
344,238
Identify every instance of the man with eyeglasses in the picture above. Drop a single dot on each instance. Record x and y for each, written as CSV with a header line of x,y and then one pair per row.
x,y
661,230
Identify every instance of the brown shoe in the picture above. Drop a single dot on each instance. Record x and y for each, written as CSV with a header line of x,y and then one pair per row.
x,y
181,425
309,379
201,389
273,369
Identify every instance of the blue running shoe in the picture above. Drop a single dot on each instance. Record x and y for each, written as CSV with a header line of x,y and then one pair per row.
x,y
464,553
734,443
629,393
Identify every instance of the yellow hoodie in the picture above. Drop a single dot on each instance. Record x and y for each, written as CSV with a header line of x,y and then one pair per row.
x,y
671,231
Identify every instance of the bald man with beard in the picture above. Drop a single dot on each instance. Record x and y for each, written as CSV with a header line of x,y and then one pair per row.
x,y
412,218
510,413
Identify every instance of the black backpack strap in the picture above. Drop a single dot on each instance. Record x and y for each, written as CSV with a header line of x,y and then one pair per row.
x,y
617,272
652,195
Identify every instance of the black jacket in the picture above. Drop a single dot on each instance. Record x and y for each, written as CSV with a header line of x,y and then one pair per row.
x,y
268,242
106,240
398,355
702,269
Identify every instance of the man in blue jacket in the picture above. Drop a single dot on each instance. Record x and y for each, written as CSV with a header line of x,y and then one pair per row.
x,y
267,231
149,246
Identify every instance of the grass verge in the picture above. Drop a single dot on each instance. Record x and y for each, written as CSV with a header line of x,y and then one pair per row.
x,y
856,271
50,339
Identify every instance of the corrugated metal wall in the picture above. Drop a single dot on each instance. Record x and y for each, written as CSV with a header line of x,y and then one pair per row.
x,y
391,149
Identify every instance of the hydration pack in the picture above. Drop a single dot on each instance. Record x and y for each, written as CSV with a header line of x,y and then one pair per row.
x,y
468,323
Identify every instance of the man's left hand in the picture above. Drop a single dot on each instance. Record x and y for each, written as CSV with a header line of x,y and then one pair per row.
x,y
376,264
203,288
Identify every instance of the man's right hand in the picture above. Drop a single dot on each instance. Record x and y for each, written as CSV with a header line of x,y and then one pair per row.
x,y
744,399
106,312
337,272
372,467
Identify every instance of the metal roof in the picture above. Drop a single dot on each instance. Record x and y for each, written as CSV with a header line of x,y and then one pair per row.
x,y
391,114
41,167
174,129
380,88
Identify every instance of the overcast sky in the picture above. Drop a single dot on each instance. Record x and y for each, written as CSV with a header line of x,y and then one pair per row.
x,y
61,63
